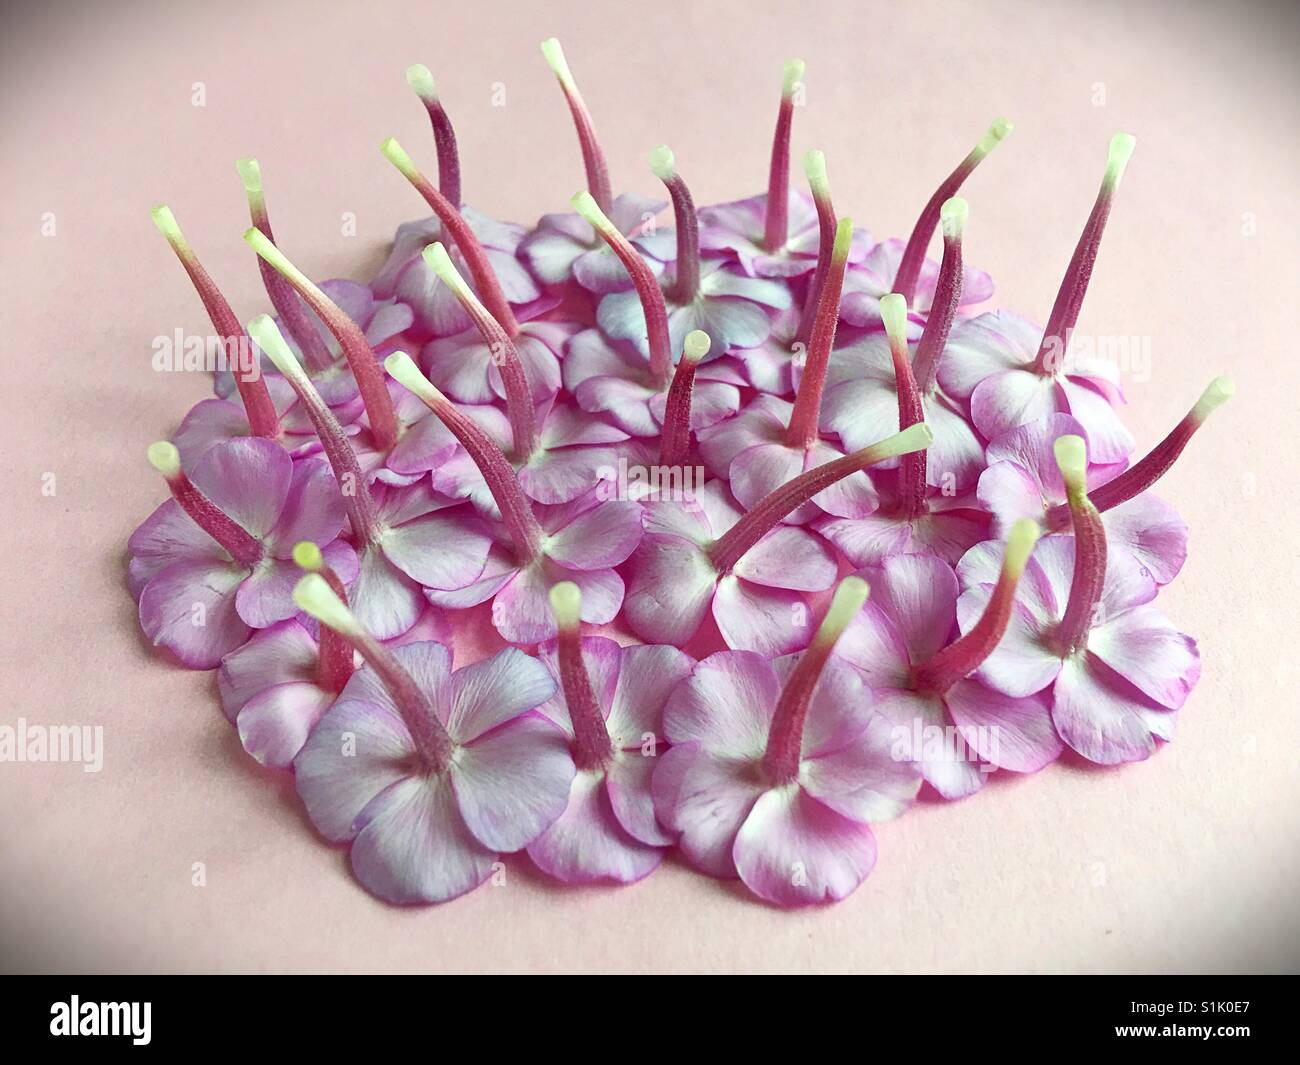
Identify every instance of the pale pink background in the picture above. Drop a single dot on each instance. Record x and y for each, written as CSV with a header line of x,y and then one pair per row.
x,y
1189,862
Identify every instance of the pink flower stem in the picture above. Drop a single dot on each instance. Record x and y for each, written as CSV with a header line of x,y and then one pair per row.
x,y
592,747
335,666
444,139
1089,575
652,303
909,268
687,284
675,440
965,655
356,349
804,416
776,230
485,280
1074,286
593,157
516,512
519,397
784,751
432,743
912,470
357,500
287,305
785,735
238,542
1155,464
258,407
444,134
825,240
938,324
769,511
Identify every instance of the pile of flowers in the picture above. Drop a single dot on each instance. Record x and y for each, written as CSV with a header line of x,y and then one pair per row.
x,y
867,539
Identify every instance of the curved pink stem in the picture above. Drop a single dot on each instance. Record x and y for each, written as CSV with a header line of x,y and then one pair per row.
x,y
485,279
258,407
1089,576
283,298
806,413
335,665
592,747
728,549
909,269
938,324
687,284
516,512
675,440
238,542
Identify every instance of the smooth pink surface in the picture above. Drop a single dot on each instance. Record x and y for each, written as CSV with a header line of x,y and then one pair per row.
x,y
1187,862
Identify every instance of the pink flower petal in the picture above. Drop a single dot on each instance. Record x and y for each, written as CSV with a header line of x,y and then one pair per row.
x,y
521,611
789,557
248,480
283,654
275,723
628,783
1152,530
413,846
794,851
725,705
551,254
1013,398
1102,716
671,589
761,422
357,749
385,599
1023,661
209,422
514,781
860,413
868,540
1015,734
444,551
840,710
1108,439
763,468
1011,493
313,509
751,617
189,609
875,646
625,401
705,799
588,844
604,536
956,457
862,780
853,497
1030,448
266,595
562,475
1144,648
601,271
495,690
919,594
168,535
646,675
712,402
922,732
541,368
980,347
